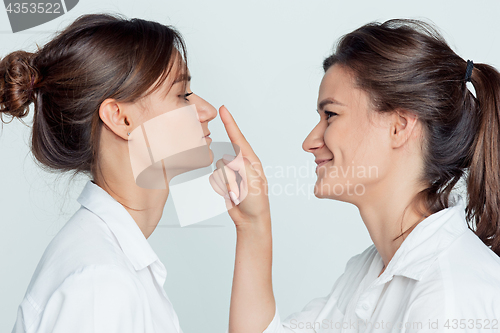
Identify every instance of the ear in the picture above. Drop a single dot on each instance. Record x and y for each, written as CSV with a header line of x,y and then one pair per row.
x,y
403,126
114,116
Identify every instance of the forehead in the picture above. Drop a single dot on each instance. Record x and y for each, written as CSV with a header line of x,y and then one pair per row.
x,y
338,83
179,70
336,79
178,76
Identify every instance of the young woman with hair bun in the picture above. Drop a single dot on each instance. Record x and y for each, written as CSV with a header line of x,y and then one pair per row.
x,y
91,86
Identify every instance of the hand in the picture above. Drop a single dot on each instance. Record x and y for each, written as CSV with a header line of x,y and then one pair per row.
x,y
248,202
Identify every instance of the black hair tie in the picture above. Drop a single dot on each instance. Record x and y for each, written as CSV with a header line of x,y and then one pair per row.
x,y
468,71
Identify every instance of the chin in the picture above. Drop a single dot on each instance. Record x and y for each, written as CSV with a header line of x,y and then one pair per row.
x,y
211,155
320,193
333,190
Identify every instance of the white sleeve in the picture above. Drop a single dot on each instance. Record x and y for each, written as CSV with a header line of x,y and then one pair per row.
x,y
299,322
304,321
97,299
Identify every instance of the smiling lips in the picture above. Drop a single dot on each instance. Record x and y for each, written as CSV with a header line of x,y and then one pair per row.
x,y
321,162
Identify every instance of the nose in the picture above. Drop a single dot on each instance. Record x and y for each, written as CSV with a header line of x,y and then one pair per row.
x,y
206,112
314,140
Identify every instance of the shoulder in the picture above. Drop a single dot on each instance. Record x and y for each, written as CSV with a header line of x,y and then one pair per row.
x,y
469,263
82,248
472,269
463,281
84,240
106,282
93,296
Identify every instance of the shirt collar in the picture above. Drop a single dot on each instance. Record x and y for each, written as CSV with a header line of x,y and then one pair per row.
x,y
426,241
130,237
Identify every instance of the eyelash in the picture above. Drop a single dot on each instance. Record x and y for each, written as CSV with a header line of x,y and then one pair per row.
x,y
186,96
330,114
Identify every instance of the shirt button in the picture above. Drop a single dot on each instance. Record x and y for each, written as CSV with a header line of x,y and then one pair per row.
x,y
365,306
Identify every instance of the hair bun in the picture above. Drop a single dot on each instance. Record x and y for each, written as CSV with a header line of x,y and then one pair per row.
x,y
18,79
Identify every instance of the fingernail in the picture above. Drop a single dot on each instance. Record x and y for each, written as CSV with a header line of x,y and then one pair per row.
x,y
234,198
227,197
227,157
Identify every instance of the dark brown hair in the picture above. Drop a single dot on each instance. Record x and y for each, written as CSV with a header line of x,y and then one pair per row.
x,y
98,56
407,65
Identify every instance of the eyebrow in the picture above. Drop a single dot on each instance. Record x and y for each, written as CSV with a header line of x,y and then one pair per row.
x,y
327,101
182,77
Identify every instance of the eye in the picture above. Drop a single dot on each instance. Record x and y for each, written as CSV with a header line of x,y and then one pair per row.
x,y
330,114
185,96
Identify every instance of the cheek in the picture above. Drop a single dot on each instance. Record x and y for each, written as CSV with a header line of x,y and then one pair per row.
x,y
372,156
345,141
174,102
360,153
334,136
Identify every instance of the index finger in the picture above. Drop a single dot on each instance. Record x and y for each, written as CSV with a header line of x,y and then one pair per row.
x,y
235,135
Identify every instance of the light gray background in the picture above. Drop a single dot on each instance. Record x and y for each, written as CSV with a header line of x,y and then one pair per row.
x,y
262,59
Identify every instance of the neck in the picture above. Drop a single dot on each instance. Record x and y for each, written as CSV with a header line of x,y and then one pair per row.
x,y
387,214
144,205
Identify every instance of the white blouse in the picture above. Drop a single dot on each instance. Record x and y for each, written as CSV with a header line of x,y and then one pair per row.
x,y
441,279
99,274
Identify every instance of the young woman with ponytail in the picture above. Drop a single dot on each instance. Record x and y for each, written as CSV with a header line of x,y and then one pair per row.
x,y
394,98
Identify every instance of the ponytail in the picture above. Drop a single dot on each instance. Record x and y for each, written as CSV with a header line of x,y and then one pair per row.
x,y
483,181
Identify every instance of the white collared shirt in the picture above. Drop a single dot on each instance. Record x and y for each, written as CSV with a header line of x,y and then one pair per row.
x,y
99,274
441,279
